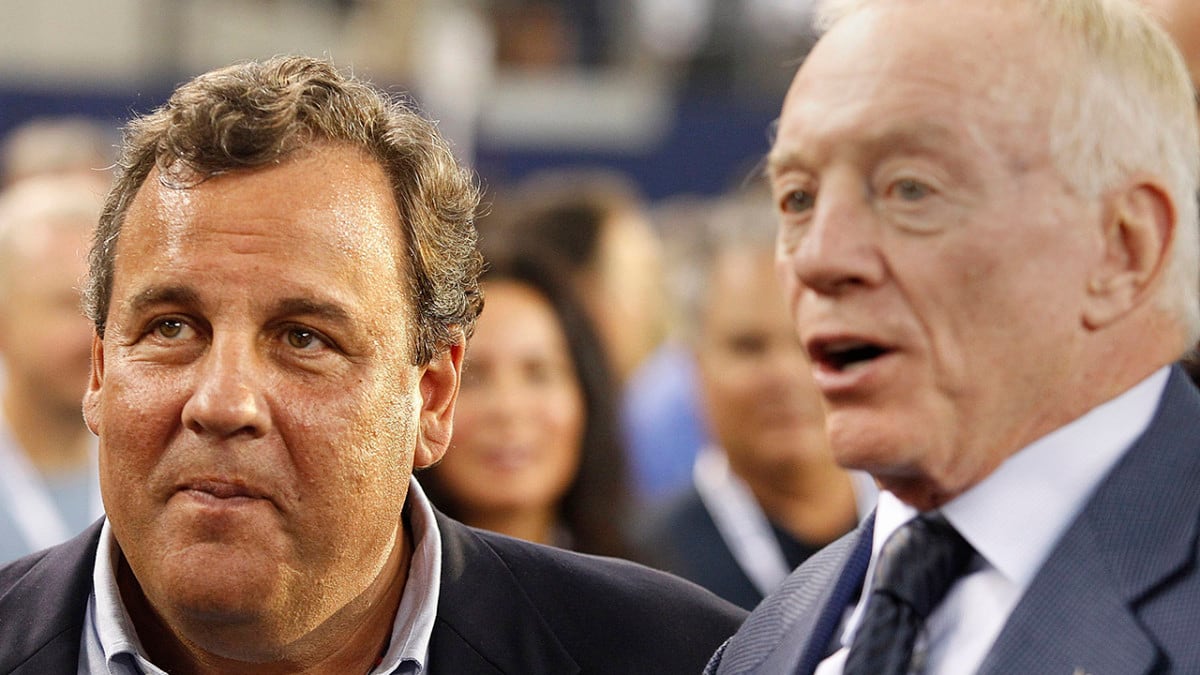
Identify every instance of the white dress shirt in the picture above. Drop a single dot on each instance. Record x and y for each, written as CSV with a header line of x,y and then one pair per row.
x,y
110,644
1013,518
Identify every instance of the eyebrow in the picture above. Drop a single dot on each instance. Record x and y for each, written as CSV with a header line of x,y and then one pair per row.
x,y
187,297
920,136
163,295
309,307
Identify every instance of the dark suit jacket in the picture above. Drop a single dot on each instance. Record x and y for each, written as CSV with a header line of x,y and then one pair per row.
x,y
505,606
1120,593
683,539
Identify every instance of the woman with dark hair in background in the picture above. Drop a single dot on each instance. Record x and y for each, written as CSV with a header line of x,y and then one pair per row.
x,y
536,452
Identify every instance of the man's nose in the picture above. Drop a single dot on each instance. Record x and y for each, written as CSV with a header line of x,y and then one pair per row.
x,y
227,398
839,247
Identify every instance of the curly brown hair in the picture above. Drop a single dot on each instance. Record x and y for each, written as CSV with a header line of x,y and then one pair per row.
x,y
255,114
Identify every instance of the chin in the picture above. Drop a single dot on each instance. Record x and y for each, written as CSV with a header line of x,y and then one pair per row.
x,y
871,445
212,577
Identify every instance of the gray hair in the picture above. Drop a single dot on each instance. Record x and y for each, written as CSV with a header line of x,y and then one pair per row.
x,y
743,221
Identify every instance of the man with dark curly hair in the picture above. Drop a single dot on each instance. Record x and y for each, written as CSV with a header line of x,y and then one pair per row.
x,y
282,284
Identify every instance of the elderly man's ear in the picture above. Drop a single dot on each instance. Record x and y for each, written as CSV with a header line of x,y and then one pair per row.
x,y
1138,228
439,393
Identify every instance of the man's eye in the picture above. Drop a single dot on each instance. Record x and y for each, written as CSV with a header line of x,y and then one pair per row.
x,y
797,201
910,190
169,328
302,338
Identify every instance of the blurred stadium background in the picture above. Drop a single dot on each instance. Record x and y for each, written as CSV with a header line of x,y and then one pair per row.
x,y
678,94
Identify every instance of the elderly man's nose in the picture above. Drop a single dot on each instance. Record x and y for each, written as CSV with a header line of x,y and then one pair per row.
x,y
838,248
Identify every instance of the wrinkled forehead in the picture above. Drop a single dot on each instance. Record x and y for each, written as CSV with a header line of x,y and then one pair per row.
x,y
979,45
337,194
929,59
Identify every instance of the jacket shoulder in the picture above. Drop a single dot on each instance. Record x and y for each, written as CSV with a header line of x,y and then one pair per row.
x,y
43,598
612,614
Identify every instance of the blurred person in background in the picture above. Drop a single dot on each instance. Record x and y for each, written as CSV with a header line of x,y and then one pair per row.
x,y
49,489
56,145
661,420
443,51
536,452
1181,18
766,492
595,224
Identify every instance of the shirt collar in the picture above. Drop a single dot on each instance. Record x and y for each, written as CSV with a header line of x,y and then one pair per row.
x,y
1054,476
412,628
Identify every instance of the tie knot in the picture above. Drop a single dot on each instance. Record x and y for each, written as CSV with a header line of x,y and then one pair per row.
x,y
920,562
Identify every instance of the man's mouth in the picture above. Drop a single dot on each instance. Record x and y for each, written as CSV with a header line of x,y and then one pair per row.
x,y
842,355
222,489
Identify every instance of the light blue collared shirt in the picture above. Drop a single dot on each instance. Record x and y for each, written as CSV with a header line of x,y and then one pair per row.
x,y
110,645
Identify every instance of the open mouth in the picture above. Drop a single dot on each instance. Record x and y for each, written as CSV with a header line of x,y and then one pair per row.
x,y
841,355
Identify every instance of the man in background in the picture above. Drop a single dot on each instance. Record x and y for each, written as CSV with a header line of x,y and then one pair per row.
x,y
56,145
988,236
48,486
766,493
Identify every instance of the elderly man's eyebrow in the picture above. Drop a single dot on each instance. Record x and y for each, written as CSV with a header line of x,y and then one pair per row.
x,y
917,137
778,161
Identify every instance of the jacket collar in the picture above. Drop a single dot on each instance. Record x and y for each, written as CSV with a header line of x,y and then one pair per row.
x,y
485,618
1078,615
43,610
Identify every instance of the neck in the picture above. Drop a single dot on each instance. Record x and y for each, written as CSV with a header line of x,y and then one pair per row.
x,y
531,524
54,439
351,641
814,502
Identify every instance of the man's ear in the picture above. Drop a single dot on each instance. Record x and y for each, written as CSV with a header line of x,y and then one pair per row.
x,y
91,396
439,394
1139,230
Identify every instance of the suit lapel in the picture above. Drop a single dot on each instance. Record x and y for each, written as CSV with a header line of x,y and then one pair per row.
x,y
485,621
796,623
43,614
1138,529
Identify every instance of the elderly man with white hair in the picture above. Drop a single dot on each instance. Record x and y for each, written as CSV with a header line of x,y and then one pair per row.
x,y
988,236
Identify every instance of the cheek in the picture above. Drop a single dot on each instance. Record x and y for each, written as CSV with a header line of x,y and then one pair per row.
x,y
564,420
365,442
788,282
138,405
470,420
729,384
138,410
